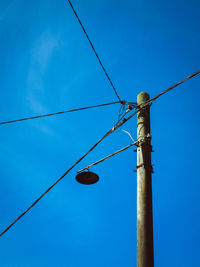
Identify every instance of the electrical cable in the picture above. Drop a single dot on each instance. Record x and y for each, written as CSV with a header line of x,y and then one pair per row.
x,y
92,46
114,128
58,113
107,157
175,85
170,88
125,106
128,134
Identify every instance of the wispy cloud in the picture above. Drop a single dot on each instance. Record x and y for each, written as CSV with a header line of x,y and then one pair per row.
x,y
40,60
44,49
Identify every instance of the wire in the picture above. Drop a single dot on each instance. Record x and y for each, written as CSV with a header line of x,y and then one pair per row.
x,y
170,88
91,44
107,157
58,113
125,106
121,111
128,134
122,117
114,128
175,85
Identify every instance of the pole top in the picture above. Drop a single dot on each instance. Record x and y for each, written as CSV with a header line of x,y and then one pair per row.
x,y
142,97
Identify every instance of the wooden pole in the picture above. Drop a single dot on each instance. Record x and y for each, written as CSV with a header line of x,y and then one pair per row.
x,y
145,256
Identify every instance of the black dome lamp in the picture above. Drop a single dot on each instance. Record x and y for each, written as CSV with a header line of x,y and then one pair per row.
x,y
87,178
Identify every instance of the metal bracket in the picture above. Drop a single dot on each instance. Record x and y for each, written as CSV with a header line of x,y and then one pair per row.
x,y
141,165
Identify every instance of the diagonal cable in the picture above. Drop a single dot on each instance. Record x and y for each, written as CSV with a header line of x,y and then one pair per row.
x,y
109,156
58,113
175,85
91,44
170,88
115,127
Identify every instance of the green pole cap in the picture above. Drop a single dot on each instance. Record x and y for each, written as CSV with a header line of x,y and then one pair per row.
x,y
142,97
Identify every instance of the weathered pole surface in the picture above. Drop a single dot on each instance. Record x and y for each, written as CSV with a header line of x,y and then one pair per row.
x,y
145,255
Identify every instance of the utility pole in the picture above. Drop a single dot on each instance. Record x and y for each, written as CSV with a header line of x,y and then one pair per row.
x,y
145,256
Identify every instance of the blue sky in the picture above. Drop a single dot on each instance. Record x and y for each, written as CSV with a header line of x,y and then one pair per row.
x,y
47,66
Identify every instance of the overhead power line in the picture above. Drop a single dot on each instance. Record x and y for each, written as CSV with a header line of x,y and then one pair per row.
x,y
58,113
175,85
106,104
172,87
91,44
114,128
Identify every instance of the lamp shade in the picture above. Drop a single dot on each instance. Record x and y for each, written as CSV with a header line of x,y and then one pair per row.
x,y
87,178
